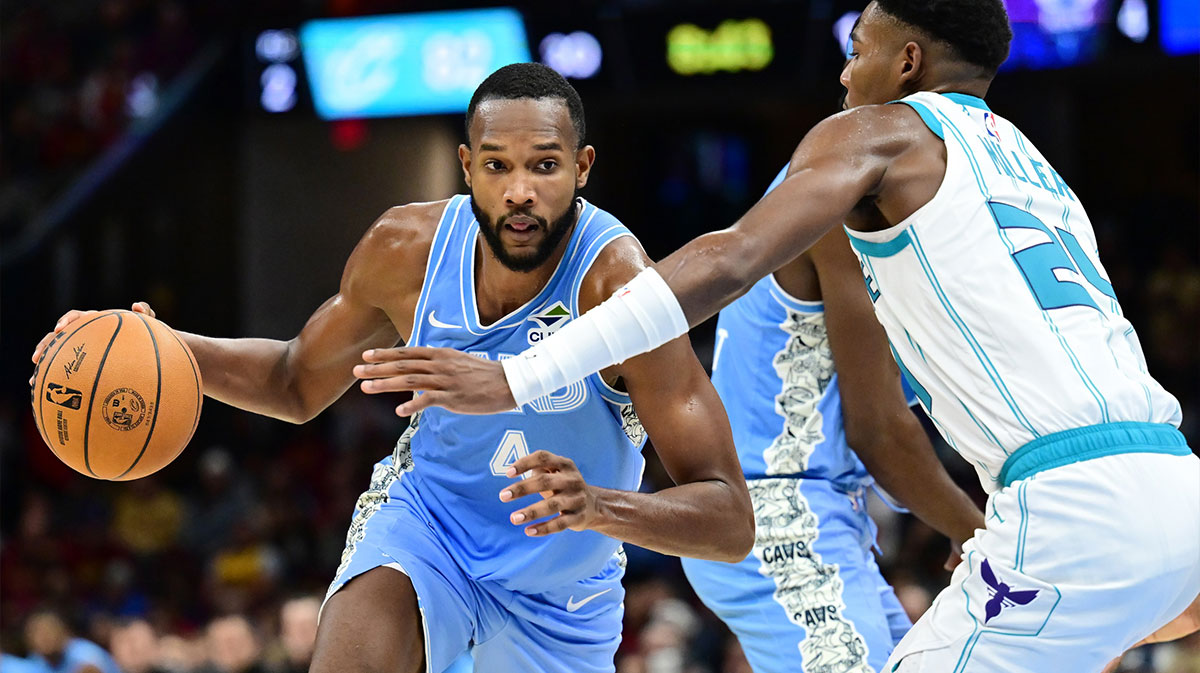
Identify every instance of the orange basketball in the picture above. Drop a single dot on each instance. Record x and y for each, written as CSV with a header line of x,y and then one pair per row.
x,y
117,395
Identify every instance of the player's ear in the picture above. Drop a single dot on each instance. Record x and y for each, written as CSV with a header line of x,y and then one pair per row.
x,y
912,60
584,158
464,156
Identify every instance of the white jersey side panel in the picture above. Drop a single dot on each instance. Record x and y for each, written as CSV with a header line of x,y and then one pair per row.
x,y
995,301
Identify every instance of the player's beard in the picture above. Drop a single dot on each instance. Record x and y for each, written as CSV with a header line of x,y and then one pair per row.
x,y
555,232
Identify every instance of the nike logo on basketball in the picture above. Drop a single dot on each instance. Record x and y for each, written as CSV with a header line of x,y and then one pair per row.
x,y
438,323
572,606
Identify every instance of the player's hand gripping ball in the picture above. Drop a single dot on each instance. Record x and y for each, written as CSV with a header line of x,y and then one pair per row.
x,y
116,394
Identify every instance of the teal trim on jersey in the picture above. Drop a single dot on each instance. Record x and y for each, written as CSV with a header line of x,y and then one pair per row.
x,y
1091,442
1023,529
922,393
984,360
884,249
927,116
968,100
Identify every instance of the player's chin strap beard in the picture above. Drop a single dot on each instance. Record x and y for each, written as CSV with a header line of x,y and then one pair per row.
x,y
557,231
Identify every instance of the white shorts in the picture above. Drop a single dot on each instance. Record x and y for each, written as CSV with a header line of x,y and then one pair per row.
x,y
1077,564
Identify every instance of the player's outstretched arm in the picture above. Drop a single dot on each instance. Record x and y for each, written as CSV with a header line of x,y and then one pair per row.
x,y
880,427
841,162
707,514
294,380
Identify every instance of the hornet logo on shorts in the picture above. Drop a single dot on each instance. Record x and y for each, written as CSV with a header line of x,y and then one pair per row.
x,y
549,321
1003,595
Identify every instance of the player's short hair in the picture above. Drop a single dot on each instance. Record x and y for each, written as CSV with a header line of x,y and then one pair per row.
x,y
977,30
529,80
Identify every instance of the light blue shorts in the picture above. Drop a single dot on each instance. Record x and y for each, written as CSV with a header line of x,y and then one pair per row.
x,y
810,596
569,629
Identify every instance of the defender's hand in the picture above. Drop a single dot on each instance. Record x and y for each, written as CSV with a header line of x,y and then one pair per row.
x,y
562,488
955,557
70,317
462,383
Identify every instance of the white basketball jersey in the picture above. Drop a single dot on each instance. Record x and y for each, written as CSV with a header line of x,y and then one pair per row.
x,y
995,302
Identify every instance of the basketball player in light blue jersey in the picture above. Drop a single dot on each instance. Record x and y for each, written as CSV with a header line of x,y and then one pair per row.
x,y
818,413
983,269
499,535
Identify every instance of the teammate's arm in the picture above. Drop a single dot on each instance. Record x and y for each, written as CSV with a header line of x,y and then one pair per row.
x,y
295,380
880,427
707,514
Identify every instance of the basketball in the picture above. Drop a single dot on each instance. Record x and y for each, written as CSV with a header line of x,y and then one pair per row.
x,y
116,395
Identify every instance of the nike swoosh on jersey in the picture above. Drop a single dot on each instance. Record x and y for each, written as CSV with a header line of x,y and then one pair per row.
x,y
572,606
438,323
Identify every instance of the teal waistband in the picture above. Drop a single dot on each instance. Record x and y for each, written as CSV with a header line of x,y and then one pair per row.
x,y
1088,443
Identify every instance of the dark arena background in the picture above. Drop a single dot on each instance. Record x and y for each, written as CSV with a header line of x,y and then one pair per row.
x,y
202,157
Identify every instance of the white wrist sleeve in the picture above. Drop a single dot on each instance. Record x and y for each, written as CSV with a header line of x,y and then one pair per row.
x,y
640,317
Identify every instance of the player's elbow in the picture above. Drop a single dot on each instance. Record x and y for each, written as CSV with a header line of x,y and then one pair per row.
x,y
738,541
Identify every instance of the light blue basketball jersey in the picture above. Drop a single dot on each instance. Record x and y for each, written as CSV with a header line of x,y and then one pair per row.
x,y
774,372
460,460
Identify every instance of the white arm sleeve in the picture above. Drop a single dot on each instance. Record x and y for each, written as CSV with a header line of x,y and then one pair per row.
x,y
638,318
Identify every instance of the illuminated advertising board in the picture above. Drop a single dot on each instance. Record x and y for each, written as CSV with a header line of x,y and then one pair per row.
x,y
407,64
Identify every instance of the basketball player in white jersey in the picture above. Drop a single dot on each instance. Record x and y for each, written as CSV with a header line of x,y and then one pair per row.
x,y
982,266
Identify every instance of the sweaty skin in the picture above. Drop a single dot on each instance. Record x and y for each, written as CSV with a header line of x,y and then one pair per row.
x,y
525,166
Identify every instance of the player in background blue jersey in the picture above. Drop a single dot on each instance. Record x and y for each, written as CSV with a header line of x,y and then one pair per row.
x,y
818,413
500,534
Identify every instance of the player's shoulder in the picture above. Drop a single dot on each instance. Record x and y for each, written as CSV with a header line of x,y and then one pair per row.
x,y
407,226
888,129
395,247
619,261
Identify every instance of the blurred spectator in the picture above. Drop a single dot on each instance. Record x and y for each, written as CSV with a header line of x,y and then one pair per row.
x,y
147,518
135,647
52,645
297,635
177,654
233,646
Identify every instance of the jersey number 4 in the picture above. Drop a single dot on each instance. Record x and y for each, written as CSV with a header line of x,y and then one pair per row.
x,y
512,448
1039,262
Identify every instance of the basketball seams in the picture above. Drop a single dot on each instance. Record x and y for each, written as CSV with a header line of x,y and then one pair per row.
x,y
157,398
38,388
87,426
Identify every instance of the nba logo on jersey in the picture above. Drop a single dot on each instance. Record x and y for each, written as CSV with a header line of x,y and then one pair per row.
x,y
548,321
989,122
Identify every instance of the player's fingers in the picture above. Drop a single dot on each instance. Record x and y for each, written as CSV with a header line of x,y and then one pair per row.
x,y
70,317
404,353
555,525
541,510
143,307
380,370
41,346
538,483
403,383
540,459
418,404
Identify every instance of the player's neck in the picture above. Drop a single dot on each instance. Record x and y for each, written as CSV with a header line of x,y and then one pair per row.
x,y
499,290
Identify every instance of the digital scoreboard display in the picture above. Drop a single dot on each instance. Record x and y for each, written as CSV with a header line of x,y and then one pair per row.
x,y
407,64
